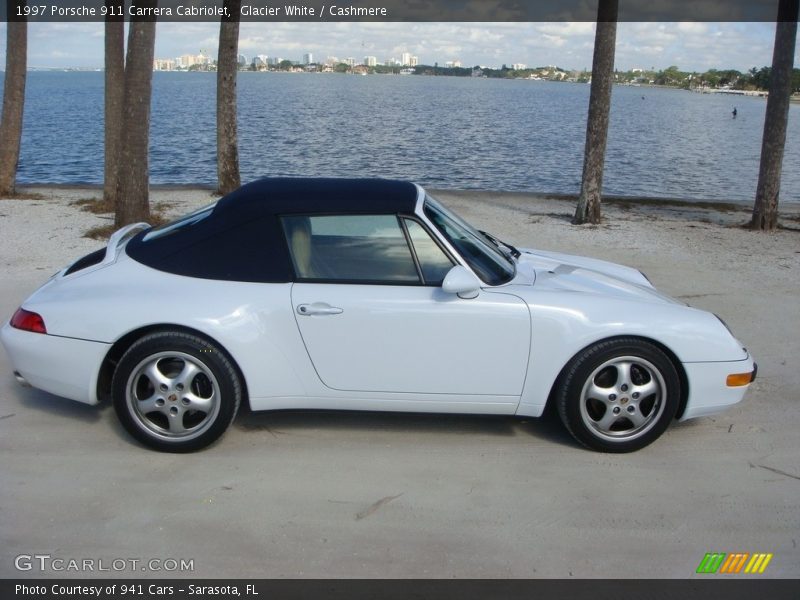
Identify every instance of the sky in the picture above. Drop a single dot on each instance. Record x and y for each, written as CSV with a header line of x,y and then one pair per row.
x,y
692,46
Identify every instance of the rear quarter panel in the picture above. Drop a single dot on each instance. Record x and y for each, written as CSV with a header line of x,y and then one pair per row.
x,y
252,321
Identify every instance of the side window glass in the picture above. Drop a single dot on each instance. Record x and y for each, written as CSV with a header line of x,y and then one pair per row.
x,y
432,260
350,248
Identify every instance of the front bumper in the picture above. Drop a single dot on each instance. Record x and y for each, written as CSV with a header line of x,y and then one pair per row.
x,y
63,366
708,392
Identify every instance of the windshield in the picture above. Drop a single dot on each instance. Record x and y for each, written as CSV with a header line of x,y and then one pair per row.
x,y
491,265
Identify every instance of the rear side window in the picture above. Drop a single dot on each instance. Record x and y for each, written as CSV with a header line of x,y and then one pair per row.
x,y
350,248
95,258
178,224
209,247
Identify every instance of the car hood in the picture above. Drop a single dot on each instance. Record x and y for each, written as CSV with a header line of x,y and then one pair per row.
x,y
554,271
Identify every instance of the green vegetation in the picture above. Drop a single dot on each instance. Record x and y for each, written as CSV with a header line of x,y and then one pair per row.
x,y
754,79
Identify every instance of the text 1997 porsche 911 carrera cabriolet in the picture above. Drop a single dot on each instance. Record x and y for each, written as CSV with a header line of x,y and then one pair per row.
x,y
364,295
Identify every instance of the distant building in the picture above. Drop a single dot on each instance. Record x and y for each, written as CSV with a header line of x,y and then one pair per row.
x,y
308,58
260,61
452,64
413,62
371,61
405,59
274,61
519,66
187,61
350,61
242,60
163,64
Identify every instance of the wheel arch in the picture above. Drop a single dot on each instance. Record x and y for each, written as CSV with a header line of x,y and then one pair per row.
x,y
122,345
684,381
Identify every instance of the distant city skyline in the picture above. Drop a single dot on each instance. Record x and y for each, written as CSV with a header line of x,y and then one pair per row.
x,y
690,46
205,59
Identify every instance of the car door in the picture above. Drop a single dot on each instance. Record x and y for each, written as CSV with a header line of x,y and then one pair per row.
x,y
372,314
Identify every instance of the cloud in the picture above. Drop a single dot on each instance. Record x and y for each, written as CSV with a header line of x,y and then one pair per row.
x,y
693,28
566,29
691,46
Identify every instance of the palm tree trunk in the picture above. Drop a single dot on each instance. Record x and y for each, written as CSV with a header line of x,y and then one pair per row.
x,y
228,177
13,98
114,97
588,209
765,210
132,188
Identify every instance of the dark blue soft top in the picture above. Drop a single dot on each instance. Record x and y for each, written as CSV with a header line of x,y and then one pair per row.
x,y
242,239
288,195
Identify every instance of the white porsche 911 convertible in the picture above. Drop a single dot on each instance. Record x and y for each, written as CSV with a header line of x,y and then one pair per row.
x,y
364,295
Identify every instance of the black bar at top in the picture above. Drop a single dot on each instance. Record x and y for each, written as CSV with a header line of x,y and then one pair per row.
x,y
404,10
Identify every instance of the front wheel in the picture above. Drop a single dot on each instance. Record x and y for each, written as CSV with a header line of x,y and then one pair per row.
x,y
619,395
175,392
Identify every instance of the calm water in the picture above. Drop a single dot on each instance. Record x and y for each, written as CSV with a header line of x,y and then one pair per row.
x,y
440,131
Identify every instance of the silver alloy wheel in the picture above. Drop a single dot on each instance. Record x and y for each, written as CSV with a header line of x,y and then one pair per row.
x,y
173,395
623,398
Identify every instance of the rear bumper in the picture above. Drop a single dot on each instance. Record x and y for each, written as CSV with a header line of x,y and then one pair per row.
x,y
65,367
708,392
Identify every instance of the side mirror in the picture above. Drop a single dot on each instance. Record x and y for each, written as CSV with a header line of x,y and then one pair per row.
x,y
460,281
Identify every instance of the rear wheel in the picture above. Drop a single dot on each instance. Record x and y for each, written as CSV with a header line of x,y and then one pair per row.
x,y
175,392
619,395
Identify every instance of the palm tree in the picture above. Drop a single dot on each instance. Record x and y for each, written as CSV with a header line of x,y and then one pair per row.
x,y
132,186
13,98
114,97
765,210
588,209
228,178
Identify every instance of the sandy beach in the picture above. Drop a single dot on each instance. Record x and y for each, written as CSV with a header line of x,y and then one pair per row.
x,y
479,497
50,228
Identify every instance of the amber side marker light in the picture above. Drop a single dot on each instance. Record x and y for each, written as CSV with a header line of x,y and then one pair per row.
x,y
28,321
739,379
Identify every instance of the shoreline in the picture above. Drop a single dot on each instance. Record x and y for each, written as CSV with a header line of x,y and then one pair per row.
x,y
46,227
716,204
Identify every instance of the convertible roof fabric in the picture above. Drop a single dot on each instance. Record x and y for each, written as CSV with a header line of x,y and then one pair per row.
x,y
288,195
242,238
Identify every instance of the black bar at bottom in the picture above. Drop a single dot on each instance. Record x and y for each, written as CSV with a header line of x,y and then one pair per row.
x,y
402,589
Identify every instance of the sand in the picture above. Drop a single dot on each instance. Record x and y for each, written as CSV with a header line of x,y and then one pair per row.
x,y
47,232
475,497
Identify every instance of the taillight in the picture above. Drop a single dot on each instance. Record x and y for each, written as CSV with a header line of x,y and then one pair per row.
x,y
28,321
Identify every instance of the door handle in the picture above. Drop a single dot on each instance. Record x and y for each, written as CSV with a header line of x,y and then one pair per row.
x,y
318,308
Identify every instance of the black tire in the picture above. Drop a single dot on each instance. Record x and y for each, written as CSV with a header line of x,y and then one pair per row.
x,y
175,392
619,395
